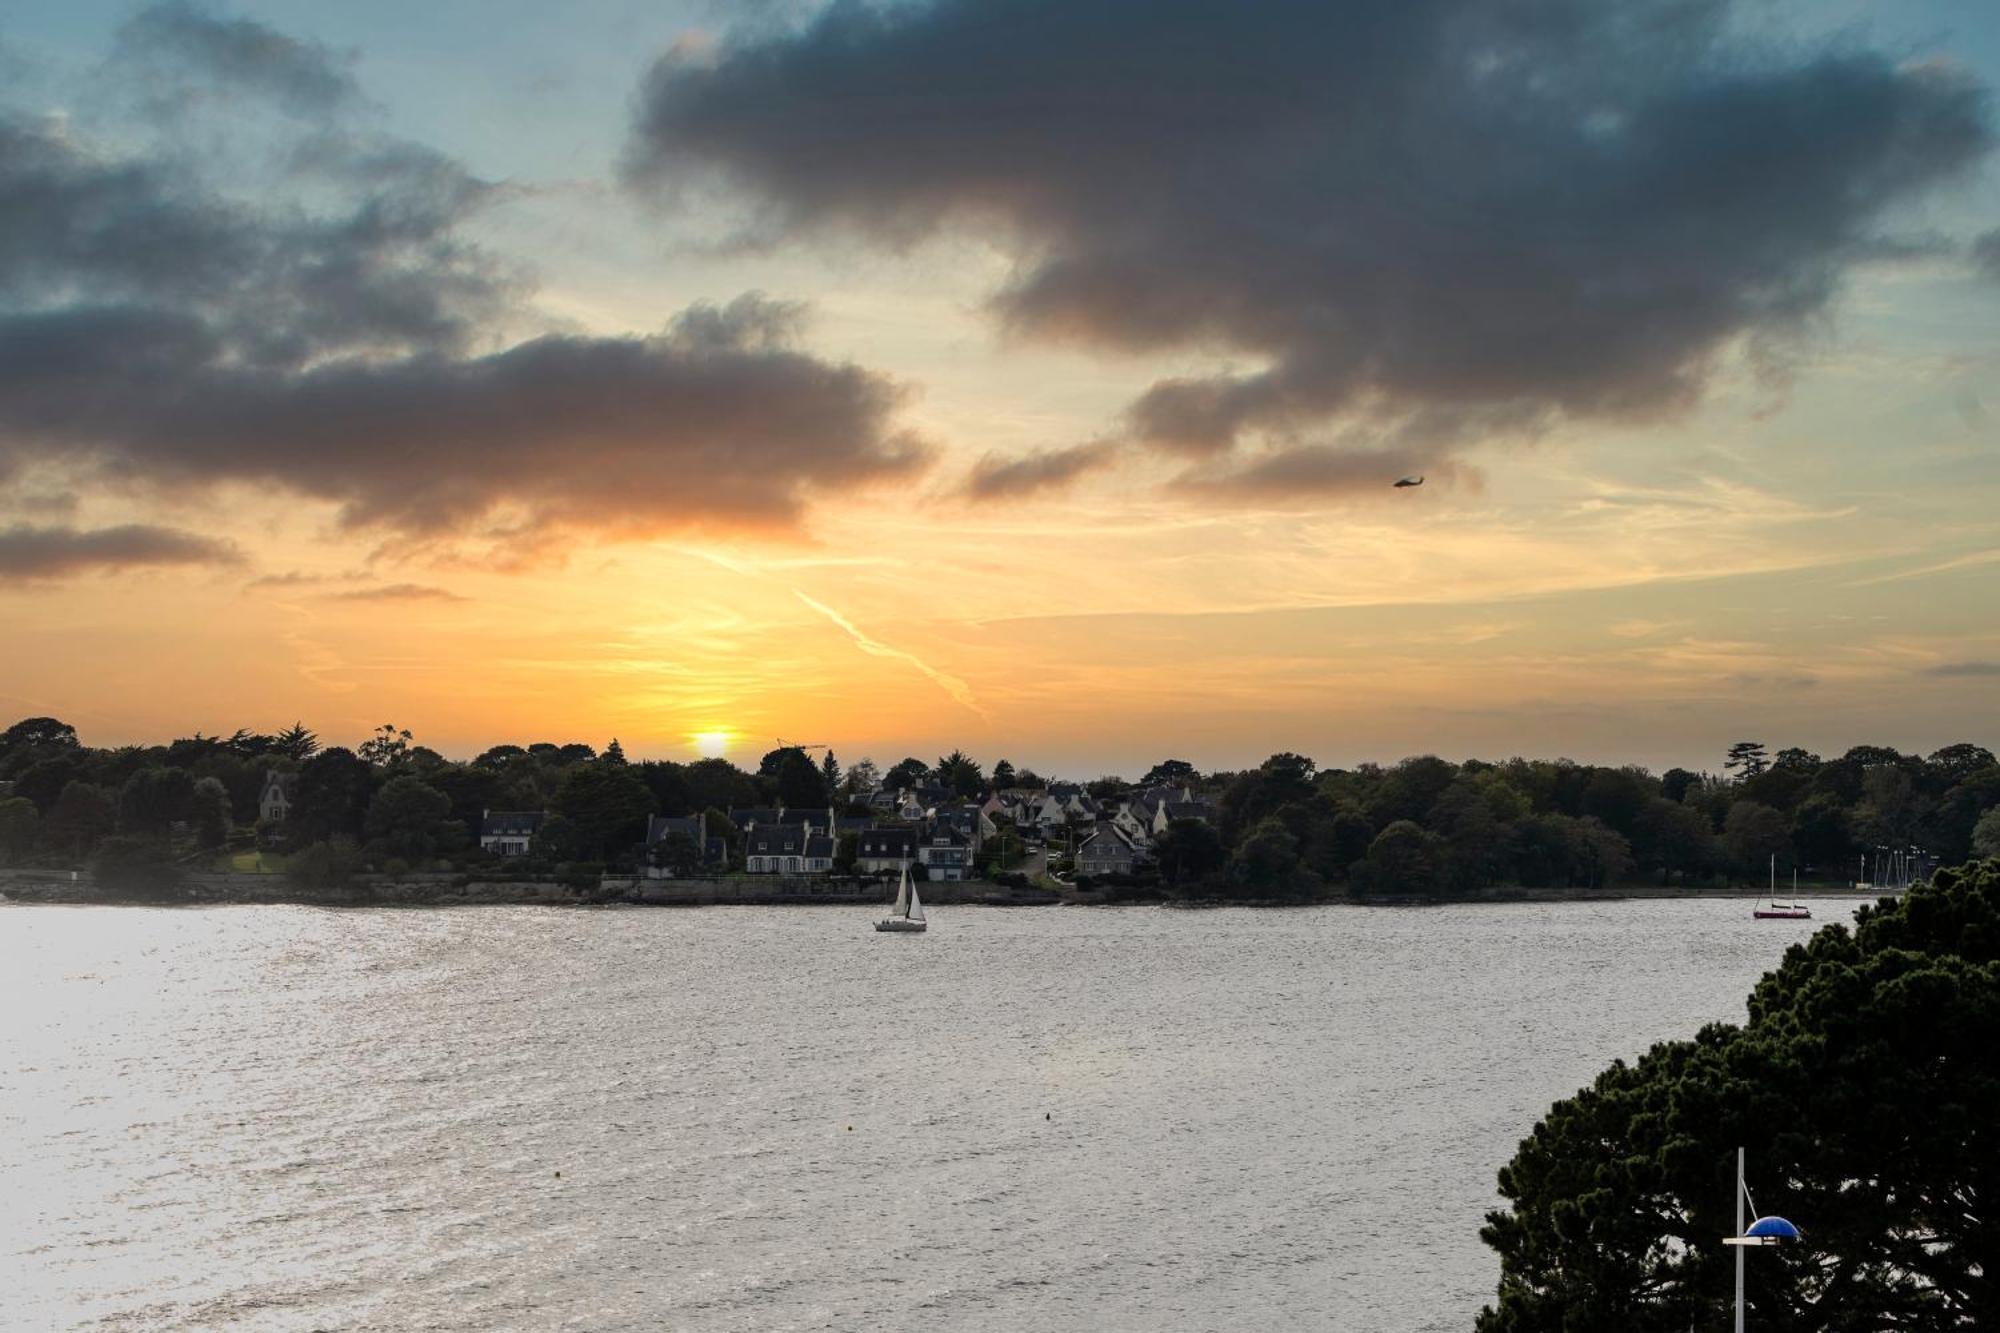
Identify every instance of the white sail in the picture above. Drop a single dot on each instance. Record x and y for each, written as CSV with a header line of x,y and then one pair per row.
x,y
916,912
903,893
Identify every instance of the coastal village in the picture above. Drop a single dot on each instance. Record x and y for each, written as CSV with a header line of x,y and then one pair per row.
x,y
253,814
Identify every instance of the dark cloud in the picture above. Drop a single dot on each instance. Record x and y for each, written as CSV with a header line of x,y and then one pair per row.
x,y
1986,254
1964,669
179,52
333,334
1517,210
56,552
397,592
995,477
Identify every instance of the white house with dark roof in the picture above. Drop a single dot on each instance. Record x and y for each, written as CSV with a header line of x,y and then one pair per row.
x,y
787,849
509,832
882,850
946,853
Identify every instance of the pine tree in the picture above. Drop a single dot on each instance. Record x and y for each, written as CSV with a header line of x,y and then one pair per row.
x,y
614,753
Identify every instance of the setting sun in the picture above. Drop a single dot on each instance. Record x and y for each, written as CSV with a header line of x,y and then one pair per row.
x,y
711,744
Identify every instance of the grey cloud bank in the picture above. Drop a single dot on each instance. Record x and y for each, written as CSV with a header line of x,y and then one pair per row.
x,y
1494,214
335,334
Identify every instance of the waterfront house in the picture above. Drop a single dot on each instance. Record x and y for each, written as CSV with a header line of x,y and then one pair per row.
x,y
787,849
1169,811
947,854
274,803
1106,852
509,832
713,849
747,817
883,850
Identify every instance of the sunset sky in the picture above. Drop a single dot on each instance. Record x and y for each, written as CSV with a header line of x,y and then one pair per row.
x,y
1026,376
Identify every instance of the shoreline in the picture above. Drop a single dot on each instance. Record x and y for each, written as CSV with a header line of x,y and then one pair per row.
x,y
213,890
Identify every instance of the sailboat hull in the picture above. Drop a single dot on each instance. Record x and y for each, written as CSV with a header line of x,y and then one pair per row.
x,y
902,924
1782,913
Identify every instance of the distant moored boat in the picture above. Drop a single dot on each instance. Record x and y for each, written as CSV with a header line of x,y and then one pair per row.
x,y
1768,907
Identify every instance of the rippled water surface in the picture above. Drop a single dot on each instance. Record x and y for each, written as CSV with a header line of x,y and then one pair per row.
x,y
1037,1119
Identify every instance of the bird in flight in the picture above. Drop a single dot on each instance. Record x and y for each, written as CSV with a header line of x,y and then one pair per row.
x,y
1409,481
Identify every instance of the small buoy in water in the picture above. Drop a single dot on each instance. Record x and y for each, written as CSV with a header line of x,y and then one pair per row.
x,y
1048,1115
850,1129
558,1175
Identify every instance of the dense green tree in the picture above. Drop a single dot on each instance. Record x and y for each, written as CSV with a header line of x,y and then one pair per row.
x,y
1410,789
296,743
773,762
210,808
1266,864
408,819
36,736
1820,835
329,864
1003,775
500,756
558,839
676,854
1955,763
829,775
81,817
1675,782
43,780
387,748
909,773
1746,759
800,784
960,774
1753,835
154,798
1865,1088
608,804
1283,779
1189,852
1986,834
20,823
1170,773
334,789
614,753
135,867
863,777
474,789
1404,858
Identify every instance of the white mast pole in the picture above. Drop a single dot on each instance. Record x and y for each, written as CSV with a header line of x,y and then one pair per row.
x,y
1739,1248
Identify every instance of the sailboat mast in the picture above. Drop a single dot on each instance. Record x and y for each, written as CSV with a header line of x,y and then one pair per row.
x,y
1739,1248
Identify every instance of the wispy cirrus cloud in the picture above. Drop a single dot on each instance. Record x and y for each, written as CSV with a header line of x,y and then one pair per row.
x,y
951,684
397,592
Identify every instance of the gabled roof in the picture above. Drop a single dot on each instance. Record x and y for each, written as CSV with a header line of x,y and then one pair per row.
x,y
662,826
776,840
887,842
511,823
744,816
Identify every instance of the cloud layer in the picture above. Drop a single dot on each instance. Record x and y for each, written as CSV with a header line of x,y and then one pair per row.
x,y
332,332
28,552
1488,215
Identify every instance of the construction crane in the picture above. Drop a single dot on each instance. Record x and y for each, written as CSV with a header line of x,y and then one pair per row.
x,y
784,744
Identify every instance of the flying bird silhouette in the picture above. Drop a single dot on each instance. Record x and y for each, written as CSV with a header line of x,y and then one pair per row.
x,y
1409,481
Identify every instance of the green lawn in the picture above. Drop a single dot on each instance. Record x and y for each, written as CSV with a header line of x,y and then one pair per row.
x,y
253,863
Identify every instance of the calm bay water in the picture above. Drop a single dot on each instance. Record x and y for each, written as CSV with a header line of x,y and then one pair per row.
x,y
280,1118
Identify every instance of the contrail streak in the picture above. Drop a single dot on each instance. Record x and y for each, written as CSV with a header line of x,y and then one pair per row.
x,y
952,685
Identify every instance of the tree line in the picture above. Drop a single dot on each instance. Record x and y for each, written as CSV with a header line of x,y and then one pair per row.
x,y
1286,830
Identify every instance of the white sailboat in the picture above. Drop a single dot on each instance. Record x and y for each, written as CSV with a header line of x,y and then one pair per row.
x,y
908,913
